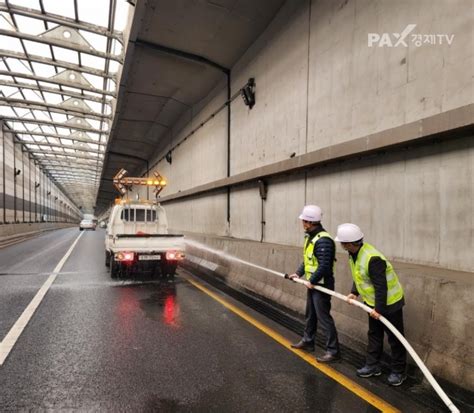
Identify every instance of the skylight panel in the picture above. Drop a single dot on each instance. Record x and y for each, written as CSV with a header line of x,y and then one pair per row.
x,y
122,11
107,110
41,115
71,89
10,43
18,126
66,55
20,112
96,81
29,25
36,48
32,95
19,66
26,138
62,7
62,131
116,47
25,80
113,66
52,98
110,85
58,117
94,123
95,12
97,41
7,78
93,136
47,129
95,106
93,61
6,22
32,4
6,111
9,91
43,70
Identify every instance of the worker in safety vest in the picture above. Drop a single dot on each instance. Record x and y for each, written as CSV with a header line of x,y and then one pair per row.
x,y
319,253
375,280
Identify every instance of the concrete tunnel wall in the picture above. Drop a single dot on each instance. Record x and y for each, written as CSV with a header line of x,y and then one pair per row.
x,y
20,201
319,84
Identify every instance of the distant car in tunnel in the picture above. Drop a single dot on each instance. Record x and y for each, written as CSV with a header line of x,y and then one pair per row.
x,y
87,224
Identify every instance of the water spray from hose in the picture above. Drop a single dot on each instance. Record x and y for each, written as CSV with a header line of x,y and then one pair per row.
x,y
444,397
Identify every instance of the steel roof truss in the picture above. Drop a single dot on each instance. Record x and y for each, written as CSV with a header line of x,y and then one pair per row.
x,y
59,63
61,20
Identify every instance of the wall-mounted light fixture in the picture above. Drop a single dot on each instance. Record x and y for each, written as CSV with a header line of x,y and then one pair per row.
x,y
248,93
17,172
169,157
37,184
262,188
48,193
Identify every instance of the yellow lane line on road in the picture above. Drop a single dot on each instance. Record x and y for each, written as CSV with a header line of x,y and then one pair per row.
x,y
344,381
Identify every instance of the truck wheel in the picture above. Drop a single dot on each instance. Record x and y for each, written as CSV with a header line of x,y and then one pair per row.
x,y
114,268
107,258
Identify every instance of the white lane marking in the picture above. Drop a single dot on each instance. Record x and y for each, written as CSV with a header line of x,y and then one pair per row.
x,y
11,338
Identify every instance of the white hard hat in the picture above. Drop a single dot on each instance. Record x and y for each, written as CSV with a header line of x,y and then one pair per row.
x,y
348,233
311,213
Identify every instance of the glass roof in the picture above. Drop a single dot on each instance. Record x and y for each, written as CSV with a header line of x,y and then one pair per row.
x,y
59,62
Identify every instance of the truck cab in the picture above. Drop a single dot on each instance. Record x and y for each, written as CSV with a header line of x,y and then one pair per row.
x,y
137,240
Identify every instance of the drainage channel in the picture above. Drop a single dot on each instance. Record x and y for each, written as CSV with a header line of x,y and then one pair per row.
x,y
412,388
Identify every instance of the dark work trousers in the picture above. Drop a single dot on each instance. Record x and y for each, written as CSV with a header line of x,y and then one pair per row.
x,y
375,344
318,309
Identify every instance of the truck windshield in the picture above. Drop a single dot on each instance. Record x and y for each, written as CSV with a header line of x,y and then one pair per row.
x,y
138,215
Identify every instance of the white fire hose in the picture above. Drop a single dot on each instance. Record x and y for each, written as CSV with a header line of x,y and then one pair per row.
x,y
447,401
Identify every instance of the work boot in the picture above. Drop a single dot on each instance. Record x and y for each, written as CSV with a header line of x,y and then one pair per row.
x,y
396,379
329,358
369,371
303,345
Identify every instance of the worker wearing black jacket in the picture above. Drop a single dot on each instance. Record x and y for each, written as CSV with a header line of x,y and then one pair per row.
x,y
317,267
376,281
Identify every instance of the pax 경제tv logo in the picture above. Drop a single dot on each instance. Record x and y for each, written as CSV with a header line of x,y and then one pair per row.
x,y
406,36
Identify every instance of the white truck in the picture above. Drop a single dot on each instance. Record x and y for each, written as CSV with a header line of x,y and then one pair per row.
x,y
137,240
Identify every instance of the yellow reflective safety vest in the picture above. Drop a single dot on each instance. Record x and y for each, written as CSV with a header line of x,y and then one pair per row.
x,y
309,259
362,281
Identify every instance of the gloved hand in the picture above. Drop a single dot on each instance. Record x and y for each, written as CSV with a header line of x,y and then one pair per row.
x,y
351,297
291,277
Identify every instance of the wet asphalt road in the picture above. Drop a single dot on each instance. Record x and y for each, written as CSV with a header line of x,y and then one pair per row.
x,y
100,345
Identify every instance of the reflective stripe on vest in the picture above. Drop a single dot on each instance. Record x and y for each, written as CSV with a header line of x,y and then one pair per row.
x,y
309,259
363,283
